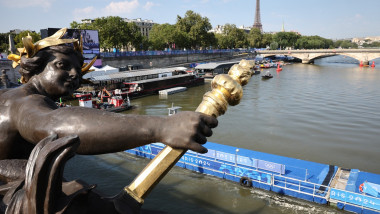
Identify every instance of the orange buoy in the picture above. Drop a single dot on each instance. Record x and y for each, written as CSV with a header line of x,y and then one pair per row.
x,y
361,64
278,67
373,64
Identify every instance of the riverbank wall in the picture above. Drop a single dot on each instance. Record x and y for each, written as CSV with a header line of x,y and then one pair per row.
x,y
159,61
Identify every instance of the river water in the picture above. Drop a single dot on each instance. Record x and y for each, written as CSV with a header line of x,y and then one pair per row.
x,y
327,113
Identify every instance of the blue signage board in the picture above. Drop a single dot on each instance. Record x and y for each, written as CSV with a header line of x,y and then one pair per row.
x,y
225,156
270,166
245,161
200,162
355,198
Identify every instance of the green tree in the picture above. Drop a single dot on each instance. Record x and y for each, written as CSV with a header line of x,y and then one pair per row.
x,y
286,39
134,36
267,40
162,36
4,40
114,32
196,27
345,44
273,46
371,45
255,38
313,42
232,37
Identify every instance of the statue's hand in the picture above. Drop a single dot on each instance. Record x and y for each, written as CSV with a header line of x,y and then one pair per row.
x,y
187,130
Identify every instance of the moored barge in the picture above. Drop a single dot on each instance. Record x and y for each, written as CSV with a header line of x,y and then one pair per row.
x,y
348,189
141,83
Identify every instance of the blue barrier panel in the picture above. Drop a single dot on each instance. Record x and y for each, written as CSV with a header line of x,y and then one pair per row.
x,y
146,149
155,150
354,198
270,166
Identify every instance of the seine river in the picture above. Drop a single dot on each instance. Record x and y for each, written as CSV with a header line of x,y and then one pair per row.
x,y
328,112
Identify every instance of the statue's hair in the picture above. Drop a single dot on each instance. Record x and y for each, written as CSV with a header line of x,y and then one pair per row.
x,y
36,64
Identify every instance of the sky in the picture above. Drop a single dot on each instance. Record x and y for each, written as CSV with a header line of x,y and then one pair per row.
x,y
332,19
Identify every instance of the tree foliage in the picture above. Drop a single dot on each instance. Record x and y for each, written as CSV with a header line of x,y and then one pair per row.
x,y
313,42
286,39
18,38
255,38
4,40
196,28
345,44
114,32
371,45
162,36
190,31
233,37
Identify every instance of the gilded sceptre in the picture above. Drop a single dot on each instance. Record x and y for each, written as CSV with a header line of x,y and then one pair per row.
x,y
226,89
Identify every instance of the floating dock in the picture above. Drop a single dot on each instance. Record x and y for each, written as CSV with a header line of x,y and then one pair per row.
x,y
350,189
172,90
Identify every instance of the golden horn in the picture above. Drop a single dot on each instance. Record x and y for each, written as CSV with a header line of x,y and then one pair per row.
x,y
78,46
59,34
86,67
29,46
20,50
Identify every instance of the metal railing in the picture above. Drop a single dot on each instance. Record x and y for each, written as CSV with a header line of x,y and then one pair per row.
x,y
172,52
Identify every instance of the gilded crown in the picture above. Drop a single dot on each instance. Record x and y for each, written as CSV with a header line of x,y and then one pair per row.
x,y
31,49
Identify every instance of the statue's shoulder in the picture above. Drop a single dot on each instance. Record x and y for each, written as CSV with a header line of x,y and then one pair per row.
x,y
19,95
2,91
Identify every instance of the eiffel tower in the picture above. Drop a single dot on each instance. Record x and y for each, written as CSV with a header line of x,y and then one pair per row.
x,y
257,23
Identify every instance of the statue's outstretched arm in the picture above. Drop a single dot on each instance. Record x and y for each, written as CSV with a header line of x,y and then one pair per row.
x,y
104,132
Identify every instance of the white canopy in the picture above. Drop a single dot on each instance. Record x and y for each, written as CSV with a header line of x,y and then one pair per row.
x,y
100,71
110,69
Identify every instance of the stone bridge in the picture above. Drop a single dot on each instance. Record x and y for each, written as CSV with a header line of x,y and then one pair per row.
x,y
308,56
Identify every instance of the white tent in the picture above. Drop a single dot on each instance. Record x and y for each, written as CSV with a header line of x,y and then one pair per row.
x,y
100,71
109,69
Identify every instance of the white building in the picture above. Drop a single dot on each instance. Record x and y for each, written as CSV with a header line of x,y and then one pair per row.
x,y
144,25
368,40
219,29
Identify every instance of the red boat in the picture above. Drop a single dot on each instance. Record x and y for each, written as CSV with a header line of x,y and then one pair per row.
x,y
116,103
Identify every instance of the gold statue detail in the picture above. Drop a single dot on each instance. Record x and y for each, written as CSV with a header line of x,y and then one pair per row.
x,y
226,89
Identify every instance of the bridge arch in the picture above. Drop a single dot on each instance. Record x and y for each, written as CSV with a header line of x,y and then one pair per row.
x,y
308,56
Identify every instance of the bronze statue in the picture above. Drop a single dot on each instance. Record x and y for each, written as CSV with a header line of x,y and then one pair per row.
x,y
51,68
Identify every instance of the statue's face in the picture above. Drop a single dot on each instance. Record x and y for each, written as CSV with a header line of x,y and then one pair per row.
x,y
61,75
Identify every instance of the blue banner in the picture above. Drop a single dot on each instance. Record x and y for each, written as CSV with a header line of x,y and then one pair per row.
x,y
245,161
355,198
